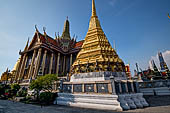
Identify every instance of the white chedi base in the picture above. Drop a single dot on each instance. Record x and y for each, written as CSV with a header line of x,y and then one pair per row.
x,y
94,101
97,76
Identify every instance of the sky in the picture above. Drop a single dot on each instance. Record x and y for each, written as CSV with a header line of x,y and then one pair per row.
x,y
140,28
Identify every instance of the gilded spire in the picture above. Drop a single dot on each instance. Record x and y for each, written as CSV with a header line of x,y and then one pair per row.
x,y
93,9
66,30
97,47
94,21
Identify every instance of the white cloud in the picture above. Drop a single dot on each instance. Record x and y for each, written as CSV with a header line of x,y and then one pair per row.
x,y
166,56
112,2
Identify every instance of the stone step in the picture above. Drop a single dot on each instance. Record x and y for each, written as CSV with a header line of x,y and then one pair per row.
x,y
104,102
90,105
92,101
93,96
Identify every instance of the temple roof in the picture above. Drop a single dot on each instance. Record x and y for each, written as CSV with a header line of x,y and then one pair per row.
x,y
62,43
46,40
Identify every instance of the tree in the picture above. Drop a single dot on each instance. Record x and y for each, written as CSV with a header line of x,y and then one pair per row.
x,y
43,83
15,87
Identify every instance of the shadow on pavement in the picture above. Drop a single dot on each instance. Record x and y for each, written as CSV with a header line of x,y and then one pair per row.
x,y
155,101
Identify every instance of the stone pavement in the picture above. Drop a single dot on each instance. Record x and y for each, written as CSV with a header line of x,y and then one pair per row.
x,y
17,107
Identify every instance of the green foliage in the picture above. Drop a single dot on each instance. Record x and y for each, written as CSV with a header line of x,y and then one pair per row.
x,y
2,89
46,97
22,93
43,83
15,87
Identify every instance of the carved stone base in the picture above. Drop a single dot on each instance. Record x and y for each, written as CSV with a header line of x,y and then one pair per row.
x,y
132,101
97,76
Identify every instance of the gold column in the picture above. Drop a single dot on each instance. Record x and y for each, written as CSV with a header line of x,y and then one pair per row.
x,y
32,64
21,68
37,63
113,87
44,59
58,61
83,88
64,63
51,63
25,62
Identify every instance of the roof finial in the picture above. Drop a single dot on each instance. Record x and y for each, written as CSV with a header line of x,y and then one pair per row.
x,y
67,17
36,28
26,47
168,15
58,34
55,35
44,29
93,9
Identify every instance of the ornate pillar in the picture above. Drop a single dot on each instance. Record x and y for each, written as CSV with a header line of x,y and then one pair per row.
x,y
32,64
132,87
126,87
71,58
58,63
44,59
120,88
37,63
51,63
64,63
21,68
113,86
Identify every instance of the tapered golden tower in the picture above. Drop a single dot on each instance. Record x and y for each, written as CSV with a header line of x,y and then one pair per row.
x,y
96,53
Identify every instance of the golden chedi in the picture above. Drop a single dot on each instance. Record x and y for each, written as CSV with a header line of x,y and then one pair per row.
x,y
96,53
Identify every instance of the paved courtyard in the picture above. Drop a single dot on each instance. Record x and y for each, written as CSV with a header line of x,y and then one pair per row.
x,y
158,105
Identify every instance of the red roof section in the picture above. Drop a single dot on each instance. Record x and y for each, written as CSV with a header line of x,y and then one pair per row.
x,y
79,44
54,42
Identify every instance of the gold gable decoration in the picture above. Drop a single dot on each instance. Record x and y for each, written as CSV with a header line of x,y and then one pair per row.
x,y
96,53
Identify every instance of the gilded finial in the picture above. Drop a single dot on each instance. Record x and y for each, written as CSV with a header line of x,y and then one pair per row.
x,y
168,15
93,9
114,45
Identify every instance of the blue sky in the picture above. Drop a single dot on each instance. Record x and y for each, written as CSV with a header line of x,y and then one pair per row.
x,y
140,28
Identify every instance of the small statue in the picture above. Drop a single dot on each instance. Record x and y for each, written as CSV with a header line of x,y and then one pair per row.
x,y
87,67
108,66
79,68
97,66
